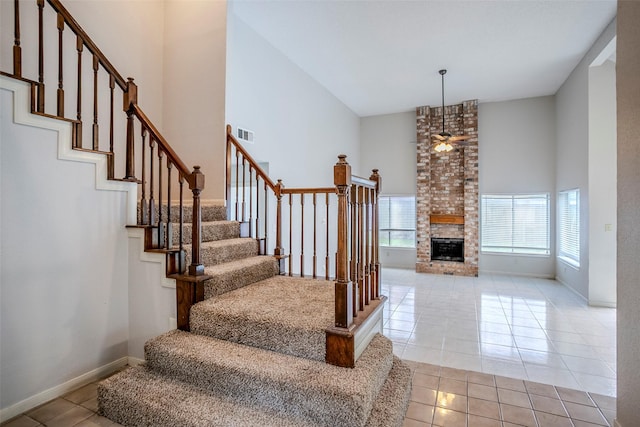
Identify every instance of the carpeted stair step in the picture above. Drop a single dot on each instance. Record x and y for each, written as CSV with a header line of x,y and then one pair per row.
x,y
288,315
140,397
221,251
211,231
392,401
209,212
307,390
237,274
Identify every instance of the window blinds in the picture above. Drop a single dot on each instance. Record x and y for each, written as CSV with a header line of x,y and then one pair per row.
x,y
515,223
569,225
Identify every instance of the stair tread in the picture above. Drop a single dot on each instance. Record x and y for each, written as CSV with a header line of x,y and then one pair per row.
x,y
232,275
222,251
140,396
284,314
232,384
303,387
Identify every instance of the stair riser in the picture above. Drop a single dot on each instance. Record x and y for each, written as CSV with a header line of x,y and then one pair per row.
x,y
209,213
259,378
211,232
222,283
307,344
218,255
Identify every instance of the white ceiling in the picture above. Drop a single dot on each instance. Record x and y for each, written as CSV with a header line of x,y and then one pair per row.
x,y
383,56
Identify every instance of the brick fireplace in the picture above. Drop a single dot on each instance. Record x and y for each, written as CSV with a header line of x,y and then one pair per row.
x,y
447,189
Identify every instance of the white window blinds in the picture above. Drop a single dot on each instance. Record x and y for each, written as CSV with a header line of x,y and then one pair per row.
x,y
569,225
397,221
515,223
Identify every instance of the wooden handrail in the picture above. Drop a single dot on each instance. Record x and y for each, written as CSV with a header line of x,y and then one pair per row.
x,y
319,190
247,156
161,156
175,159
77,29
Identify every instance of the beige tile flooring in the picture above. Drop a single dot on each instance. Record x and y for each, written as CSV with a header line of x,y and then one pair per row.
x,y
441,396
484,351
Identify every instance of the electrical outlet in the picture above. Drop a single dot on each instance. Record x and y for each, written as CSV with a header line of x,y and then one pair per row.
x,y
608,227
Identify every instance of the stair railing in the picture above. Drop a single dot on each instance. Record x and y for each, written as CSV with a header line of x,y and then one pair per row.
x,y
341,231
129,141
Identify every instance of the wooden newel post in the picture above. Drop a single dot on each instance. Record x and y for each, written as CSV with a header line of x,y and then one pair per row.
x,y
130,98
278,251
375,258
343,286
196,185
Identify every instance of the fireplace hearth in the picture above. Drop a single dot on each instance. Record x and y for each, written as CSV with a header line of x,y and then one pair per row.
x,y
447,249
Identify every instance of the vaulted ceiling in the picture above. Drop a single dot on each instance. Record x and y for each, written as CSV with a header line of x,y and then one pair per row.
x,y
383,56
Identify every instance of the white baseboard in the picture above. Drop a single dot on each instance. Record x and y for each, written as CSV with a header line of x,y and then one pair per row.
x,y
135,361
59,390
511,273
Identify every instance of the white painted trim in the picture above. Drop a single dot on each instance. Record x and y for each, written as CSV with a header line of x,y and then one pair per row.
x,y
605,304
22,115
59,390
605,53
369,328
616,423
510,273
158,258
566,285
135,361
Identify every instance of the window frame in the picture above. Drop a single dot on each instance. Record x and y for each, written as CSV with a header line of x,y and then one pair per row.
x,y
571,257
412,229
512,249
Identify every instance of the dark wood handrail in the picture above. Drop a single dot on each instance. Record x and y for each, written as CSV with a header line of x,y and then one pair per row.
x,y
171,154
77,29
155,213
252,162
319,190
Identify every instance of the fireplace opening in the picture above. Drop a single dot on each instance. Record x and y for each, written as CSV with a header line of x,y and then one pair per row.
x,y
447,249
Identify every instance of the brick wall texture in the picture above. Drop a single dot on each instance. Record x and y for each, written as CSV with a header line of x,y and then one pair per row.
x,y
447,183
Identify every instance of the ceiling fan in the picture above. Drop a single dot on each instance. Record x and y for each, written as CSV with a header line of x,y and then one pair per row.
x,y
444,141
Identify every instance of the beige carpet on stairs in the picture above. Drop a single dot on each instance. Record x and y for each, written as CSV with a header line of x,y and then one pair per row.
x,y
255,356
284,314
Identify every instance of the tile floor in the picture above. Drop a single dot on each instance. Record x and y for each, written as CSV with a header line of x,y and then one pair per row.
x,y
526,328
484,351
440,396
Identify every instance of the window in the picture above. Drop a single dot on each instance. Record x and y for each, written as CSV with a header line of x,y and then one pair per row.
x,y
569,226
397,221
515,224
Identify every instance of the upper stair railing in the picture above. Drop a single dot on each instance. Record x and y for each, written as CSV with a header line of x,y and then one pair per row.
x,y
335,237
130,141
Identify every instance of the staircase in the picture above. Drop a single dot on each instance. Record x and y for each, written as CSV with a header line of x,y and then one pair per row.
x,y
258,343
255,354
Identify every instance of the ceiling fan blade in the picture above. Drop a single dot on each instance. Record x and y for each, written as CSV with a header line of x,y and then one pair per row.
x,y
438,137
459,138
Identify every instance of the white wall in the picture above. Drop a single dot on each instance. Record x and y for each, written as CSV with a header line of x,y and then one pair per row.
x,y
300,128
572,134
194,87
628,267
516,154
63,287
602,184
387,142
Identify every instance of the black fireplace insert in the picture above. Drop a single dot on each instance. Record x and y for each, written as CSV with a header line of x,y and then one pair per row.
x,y
447,249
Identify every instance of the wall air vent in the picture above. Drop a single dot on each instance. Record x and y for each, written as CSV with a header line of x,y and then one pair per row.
x,y
245,135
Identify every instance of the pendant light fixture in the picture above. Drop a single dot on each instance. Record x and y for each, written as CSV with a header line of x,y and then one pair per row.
x,y
444,141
